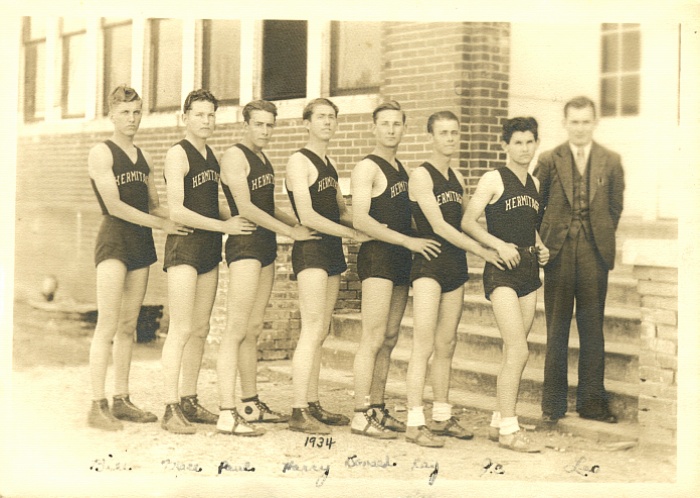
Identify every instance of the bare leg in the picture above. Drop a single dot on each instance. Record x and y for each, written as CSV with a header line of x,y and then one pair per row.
x,y
132,299
445,341
111,275
313,289
248,353
515,348
205,294
244,276
182,283
376,304
397,307
331,296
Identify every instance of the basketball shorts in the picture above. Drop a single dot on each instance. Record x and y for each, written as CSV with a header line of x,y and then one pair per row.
x,y
260,245
326,254
523,279
132,244
200,249
449,269
378,259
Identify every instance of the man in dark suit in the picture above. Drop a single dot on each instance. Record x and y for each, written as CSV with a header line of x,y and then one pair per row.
x,y
582,186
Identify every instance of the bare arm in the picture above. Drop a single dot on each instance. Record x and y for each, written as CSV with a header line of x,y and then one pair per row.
x,y
298,181
490,187
176,168
364,175
100,162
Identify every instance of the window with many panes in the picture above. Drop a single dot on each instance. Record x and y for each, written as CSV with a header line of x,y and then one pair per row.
x,y
620,69
34,34
355,57
284,59
117,56
166,64
221,56
73,71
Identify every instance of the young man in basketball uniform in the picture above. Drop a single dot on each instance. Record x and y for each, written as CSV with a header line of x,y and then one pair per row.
x,y
248,181
382,210
192,262
438,199
122,178
312,184
510,196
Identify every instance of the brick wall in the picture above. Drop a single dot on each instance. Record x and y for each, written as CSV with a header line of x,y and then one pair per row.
x,y
425,66
658,356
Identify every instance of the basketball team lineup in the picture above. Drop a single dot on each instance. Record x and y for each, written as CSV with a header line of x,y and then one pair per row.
x,y
415,231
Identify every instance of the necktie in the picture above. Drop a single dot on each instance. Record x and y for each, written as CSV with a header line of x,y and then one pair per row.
x,y
580,160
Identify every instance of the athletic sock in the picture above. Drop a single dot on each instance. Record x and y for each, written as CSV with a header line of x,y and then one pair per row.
x,y
248,400
442,411
416,417
496,420
509,425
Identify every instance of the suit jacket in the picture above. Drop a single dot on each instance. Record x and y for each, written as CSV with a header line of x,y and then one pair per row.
x,y
606,189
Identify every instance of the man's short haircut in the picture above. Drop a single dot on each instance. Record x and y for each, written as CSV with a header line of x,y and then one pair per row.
x,y
199,95
580,102
519,124
390,105
122,94
441,116
258,105
309,109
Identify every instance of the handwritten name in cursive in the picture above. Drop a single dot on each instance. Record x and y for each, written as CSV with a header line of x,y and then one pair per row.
x,y
105,464
225,466
353,461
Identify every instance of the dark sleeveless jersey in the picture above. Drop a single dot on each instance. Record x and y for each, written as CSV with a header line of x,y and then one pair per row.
x,y
201,184
448,194
513,217
131,178
261,184
324,190
392,207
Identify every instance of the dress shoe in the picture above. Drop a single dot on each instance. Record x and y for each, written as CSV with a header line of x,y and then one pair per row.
x,y
124,409
606,417
548,419
100,417
196,413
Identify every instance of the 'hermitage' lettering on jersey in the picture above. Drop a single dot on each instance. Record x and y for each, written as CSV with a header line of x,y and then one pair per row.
x,y
398,187
522,200
449,196
262,180
131,176
327,182
205,176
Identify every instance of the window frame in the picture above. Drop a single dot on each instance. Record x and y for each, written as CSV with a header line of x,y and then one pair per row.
x,y
65,69
106,54
206,52
334,90
154,55
29,107
614,33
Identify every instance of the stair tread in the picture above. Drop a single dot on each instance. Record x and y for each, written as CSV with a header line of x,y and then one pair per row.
x,y
613,347
403,353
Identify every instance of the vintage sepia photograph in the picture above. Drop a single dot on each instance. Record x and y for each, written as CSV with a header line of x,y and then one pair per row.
x,y
328,249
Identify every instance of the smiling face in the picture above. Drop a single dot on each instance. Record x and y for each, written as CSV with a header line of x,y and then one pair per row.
x,y
521,148
200,119
445,136
579,124
389,128
126,117
322,123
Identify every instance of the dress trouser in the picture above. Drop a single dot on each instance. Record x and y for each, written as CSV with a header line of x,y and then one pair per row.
x,y
576,274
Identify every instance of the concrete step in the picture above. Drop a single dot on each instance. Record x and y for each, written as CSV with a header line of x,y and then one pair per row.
x,y
480,376
528,413
621,323
483,343
622,288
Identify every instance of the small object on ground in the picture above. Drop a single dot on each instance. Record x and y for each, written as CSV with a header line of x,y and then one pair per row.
x,y
620,445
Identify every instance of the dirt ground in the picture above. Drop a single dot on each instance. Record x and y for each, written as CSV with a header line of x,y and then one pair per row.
x,y
50,451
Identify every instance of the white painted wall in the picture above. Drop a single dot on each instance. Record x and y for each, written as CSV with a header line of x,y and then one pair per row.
x,y
551,63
